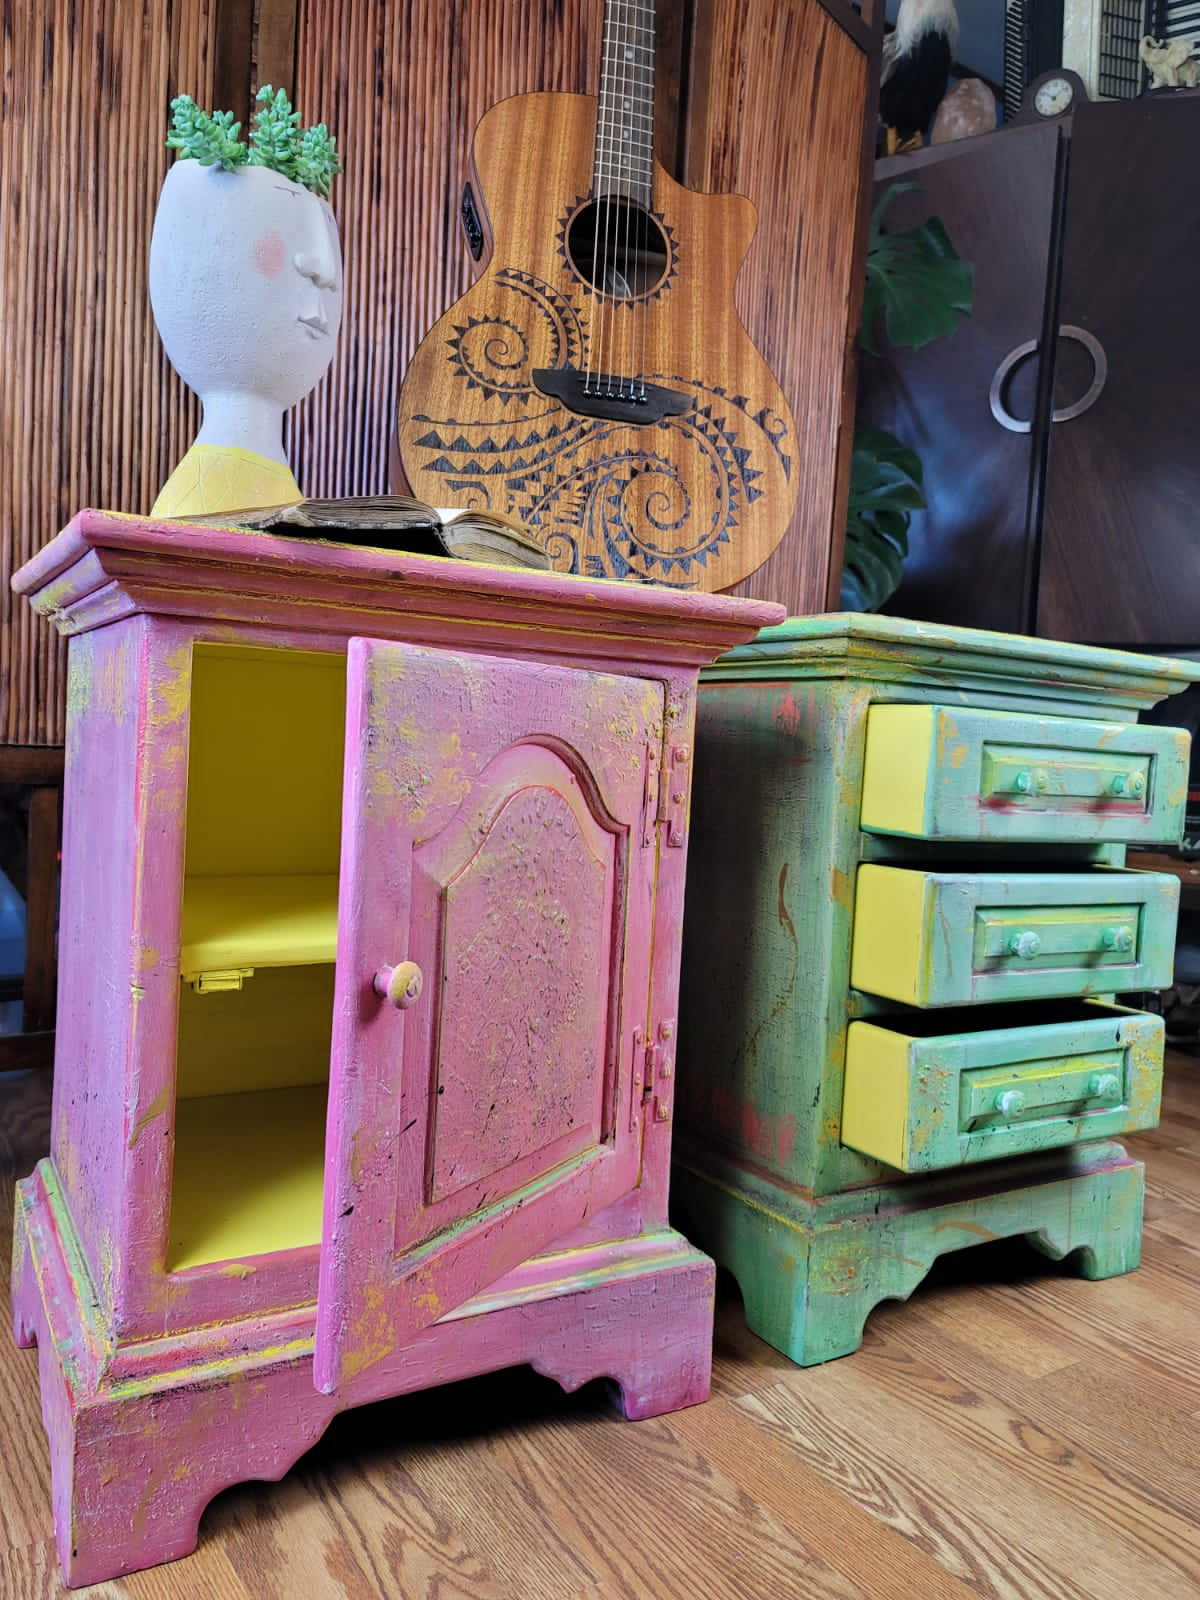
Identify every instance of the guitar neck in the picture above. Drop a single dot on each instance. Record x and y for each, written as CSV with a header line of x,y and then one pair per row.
x,y
624,160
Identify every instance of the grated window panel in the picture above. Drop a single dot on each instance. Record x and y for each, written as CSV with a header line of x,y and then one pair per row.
x,y
1015,52
1181,20
1122,24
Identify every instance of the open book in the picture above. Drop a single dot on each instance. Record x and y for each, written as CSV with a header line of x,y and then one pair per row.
x,y
397,522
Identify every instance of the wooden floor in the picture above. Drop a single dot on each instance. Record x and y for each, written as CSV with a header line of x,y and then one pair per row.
x,y
1010,1431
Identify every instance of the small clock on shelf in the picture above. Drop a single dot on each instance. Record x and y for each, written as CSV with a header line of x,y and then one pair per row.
x,y
1052,95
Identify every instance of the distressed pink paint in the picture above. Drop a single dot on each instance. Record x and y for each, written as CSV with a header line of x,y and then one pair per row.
x,y
515,820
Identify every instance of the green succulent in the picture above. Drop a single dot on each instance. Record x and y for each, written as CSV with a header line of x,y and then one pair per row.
x,y
206,137
317,160
275,132
306,155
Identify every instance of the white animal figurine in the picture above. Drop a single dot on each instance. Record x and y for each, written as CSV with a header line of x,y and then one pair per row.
x,y
1171,65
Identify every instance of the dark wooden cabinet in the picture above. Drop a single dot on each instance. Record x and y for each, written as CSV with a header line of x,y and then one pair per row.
x,y
1087,525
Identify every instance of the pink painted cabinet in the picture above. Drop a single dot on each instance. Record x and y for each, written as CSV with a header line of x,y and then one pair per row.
x,y
372,886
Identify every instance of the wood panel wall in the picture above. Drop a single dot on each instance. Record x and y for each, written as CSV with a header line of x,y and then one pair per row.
x,y
788,90
403,94
90,412
763,96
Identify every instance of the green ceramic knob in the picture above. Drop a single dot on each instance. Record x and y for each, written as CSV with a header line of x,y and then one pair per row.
x,y
1129,784
1103,1085
1009,1102
1117,938
1025,944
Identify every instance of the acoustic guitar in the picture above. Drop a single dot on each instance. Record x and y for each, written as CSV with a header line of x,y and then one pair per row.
x,y
596,381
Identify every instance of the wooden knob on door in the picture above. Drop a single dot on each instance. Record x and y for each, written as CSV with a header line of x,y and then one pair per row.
x,y
401,984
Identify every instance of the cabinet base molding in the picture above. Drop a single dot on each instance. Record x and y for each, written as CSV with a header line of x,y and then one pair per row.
x,y
811,1270
143,1436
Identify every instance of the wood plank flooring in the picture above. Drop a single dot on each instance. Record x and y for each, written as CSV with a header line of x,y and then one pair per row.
x,y
1011,1432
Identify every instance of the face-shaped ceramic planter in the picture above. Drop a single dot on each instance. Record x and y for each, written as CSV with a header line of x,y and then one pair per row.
x,y
246,288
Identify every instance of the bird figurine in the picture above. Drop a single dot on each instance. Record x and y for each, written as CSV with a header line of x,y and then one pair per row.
x,y
917,57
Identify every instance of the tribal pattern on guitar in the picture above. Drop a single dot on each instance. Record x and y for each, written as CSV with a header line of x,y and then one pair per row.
x,y
612,499
596,380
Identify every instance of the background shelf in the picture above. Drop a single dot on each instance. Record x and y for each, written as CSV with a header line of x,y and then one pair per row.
x,y
258,922
249,1174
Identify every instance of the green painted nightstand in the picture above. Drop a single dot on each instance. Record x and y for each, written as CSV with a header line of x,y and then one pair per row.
x,y
907,920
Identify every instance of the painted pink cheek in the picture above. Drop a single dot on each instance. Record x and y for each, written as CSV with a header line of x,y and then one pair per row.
x,y
270,254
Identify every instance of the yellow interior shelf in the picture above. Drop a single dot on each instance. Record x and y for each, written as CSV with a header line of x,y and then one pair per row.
x,y
248,922
249,1174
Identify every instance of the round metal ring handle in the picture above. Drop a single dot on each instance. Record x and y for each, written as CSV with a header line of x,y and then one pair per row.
x,y
1064,413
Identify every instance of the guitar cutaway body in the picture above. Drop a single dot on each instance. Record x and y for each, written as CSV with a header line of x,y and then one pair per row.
x,y
596,380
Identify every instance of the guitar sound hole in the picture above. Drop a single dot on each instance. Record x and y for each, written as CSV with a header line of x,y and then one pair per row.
x,y
617,248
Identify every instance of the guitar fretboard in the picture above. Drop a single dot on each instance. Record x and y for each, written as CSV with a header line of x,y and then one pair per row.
x,y
624,162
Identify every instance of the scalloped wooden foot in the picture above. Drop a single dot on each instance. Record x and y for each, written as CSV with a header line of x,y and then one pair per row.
x,y
24,1295
651,1338
133,1477
141,1440
1103,1234
667,1364
810,1279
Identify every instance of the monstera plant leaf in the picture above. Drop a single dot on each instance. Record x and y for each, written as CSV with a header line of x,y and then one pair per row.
x,y
917,289
916,281
885,490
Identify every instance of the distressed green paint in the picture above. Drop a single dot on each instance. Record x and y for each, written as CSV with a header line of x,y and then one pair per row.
x,y
987,937
810,1272
1013,776
1013,1091
766,1183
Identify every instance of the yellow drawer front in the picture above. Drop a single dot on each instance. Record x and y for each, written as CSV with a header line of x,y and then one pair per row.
x,y
925,1100
954,772
928,938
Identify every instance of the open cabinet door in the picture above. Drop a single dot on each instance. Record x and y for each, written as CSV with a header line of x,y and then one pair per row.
x,y
496,874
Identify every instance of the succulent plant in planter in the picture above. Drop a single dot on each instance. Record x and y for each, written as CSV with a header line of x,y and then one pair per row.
x,y
246,289
918,288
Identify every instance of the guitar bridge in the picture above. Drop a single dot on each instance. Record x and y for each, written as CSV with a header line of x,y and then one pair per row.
x,y
604,395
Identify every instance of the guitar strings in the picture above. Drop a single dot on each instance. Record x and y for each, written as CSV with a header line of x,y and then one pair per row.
x,y
639,59
610,274
623,284
623,167
647,199
597,190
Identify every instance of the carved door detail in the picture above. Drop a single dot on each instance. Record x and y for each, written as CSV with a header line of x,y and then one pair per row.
x,y
497,898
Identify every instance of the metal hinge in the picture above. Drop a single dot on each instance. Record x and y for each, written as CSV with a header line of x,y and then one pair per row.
x,y
665,794
673,792
650,794
218,981
653,1071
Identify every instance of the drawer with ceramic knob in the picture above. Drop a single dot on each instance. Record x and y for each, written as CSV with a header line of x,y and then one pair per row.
x,y
924,937
967,773
928,1091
